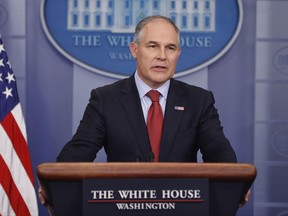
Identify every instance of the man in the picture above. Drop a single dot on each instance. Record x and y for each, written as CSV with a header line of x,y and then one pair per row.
x,y
116,115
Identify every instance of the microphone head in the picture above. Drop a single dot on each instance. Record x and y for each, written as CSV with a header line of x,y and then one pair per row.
x,y
137,156
151,156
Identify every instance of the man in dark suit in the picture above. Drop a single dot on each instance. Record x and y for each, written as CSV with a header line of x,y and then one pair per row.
x,y
116,115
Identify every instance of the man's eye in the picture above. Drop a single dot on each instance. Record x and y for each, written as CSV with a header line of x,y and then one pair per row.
x,y
172,48
152,46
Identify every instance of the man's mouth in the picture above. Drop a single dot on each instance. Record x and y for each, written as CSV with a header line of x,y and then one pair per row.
x,y
159,67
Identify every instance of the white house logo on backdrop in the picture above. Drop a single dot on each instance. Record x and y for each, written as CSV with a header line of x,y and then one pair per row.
x,y
96,33
279,142
280,60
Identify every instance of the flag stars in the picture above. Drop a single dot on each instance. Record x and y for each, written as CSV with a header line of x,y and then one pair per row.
x,y
1,77
1,63
10,77
2,48
8,92
8,63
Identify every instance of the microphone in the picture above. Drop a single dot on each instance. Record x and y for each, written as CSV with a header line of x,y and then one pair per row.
x,y
151,156
137,156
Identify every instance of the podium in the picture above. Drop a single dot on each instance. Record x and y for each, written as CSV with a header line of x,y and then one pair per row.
x,y
132,188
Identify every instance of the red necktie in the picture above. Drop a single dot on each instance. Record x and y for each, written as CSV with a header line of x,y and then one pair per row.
x,y
155,123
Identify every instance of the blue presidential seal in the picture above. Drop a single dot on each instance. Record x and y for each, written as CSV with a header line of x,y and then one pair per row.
x,y
95,34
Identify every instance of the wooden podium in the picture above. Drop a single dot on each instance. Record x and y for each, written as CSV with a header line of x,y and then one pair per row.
x,y
62,185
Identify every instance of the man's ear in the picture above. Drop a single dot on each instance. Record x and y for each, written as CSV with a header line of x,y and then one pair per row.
x,y
179,52
133,49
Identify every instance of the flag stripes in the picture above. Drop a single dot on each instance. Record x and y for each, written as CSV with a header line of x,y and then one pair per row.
x,y
5,201
17,164
17,192
18,141
15,199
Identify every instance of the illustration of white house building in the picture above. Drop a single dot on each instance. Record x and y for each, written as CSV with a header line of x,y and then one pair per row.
x,y
122,15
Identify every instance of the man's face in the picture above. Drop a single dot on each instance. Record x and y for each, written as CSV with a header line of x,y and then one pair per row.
x,y
157,54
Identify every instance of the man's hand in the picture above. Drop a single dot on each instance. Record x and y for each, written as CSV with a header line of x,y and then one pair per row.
x,y
41,197
245,199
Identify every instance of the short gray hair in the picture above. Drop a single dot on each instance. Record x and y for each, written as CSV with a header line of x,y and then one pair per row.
x,y
141,24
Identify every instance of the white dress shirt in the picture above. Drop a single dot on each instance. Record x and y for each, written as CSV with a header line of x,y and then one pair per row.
x,y
146,102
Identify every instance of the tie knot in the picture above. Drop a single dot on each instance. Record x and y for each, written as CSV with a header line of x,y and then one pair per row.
x,y
154,95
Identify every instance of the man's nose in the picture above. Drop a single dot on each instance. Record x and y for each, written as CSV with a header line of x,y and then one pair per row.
x,y
161,55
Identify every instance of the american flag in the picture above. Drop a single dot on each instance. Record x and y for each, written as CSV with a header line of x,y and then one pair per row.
x,y
180,108
17,192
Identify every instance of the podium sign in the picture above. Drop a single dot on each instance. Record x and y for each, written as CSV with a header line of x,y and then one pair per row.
x,y
127,189
161,197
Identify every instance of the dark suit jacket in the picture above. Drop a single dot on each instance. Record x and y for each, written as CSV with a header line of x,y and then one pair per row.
x,y
113,119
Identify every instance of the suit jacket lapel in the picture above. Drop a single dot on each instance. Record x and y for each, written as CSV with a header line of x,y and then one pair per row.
x,y
172,118
132,105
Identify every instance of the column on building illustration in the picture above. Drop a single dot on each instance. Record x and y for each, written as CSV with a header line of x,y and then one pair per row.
x,y
123,15
192,15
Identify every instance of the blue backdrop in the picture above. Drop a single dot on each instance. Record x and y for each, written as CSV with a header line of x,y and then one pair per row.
x,y
249,83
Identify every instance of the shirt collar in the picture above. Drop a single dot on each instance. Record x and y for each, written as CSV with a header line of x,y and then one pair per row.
x,y
143,88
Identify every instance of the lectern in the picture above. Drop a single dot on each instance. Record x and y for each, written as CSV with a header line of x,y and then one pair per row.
x,y
128,189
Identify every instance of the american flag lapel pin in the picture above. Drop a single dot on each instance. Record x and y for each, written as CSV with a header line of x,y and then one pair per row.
x,y
179,108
